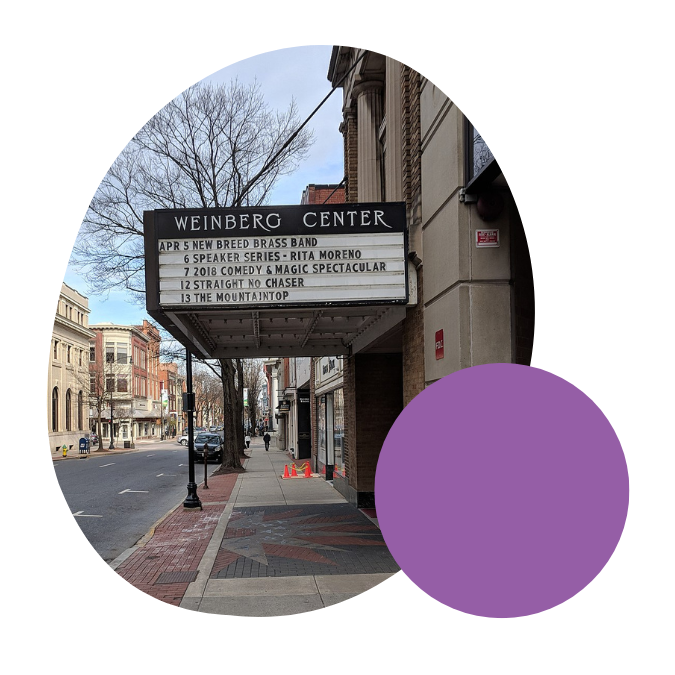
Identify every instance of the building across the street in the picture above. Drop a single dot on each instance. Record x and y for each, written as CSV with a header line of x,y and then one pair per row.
x,y
120,366
68,386
172,382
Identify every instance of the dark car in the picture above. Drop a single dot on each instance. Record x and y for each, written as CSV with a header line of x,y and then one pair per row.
x,y
215,444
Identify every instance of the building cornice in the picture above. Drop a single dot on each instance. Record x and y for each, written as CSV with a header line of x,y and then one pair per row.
x,y
78,328
128,329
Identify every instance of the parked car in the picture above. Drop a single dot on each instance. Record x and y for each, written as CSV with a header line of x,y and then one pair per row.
x,y
93,439
183,440
215,445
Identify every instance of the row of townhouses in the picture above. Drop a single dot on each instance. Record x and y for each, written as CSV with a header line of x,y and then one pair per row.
x,y
103,370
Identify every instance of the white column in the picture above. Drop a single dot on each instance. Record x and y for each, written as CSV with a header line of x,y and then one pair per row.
x,y
369,117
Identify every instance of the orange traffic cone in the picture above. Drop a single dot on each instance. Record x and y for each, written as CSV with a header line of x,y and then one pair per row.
x,y
286,471
308,473
294,473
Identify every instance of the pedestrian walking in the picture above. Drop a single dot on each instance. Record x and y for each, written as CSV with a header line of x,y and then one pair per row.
x,y
267,438
248,441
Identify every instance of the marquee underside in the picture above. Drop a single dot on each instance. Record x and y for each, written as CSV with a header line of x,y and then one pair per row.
x,y
266,333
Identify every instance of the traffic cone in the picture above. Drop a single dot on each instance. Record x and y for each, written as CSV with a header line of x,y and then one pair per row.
x,y
286,471
294,473
308,473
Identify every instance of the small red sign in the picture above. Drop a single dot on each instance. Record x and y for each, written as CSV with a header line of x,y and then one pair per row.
x,y
487,238
439,345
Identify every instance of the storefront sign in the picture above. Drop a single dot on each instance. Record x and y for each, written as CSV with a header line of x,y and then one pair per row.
x,y
308,255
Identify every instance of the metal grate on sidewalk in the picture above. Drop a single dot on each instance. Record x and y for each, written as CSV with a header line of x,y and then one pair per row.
x,y
176,577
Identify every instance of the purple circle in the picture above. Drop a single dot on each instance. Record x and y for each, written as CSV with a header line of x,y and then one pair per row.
x,y
501,490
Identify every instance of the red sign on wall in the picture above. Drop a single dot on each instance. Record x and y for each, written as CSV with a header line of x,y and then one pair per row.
x,y
439,345
487,238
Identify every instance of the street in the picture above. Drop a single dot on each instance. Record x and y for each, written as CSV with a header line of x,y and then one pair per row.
x,y
116,498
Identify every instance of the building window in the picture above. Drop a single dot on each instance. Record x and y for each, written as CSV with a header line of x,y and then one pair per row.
x,y
121,354
480,166
122,383
68,411
56,350
92,354
80,408
110,353
478,154
110,383
79,355
92,385
339,429
55,409
68,348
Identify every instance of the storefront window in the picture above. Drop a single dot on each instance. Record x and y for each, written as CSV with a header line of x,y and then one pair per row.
x,y
339,430
321,431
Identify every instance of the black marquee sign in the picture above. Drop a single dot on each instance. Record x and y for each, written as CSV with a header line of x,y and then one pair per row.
x,y
275,257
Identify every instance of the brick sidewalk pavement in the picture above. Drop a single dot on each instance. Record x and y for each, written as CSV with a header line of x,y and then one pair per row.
x,y
165,565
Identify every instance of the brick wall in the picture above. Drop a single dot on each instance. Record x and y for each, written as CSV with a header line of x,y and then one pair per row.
x,y
411,135
378,402
324,194
413,347
349,131
413,326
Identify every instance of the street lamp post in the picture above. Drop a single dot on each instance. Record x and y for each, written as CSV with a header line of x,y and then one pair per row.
x,y
192,501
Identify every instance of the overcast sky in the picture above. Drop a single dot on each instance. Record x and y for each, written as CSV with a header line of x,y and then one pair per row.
x,y
298,73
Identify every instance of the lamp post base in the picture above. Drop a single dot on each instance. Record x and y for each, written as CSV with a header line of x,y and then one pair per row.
x,y
192,501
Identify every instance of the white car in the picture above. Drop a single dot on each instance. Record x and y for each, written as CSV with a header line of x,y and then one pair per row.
x,y
183,440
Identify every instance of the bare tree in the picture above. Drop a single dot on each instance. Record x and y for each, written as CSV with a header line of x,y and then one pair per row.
x,y
212,146
253,380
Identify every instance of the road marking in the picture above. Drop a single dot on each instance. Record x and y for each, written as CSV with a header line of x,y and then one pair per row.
x,y
182,465
166,474
86,515
127,490
104,465
150,455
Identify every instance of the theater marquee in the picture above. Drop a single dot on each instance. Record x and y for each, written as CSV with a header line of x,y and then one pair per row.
x,y
271,257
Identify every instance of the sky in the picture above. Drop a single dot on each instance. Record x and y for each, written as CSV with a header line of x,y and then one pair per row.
x,y
298,73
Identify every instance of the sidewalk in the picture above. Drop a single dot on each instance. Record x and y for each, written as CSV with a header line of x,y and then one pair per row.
x,y
261,546
119,449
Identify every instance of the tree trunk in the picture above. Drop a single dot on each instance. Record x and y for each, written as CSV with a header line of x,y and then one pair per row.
x,y
230,449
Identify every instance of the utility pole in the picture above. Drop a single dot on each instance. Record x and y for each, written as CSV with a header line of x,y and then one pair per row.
x,y
112,389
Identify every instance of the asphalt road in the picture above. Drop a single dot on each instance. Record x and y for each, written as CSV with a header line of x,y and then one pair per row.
x,y
116,500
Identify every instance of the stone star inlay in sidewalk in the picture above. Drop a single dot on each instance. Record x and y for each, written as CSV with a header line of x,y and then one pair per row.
x,y
283,541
